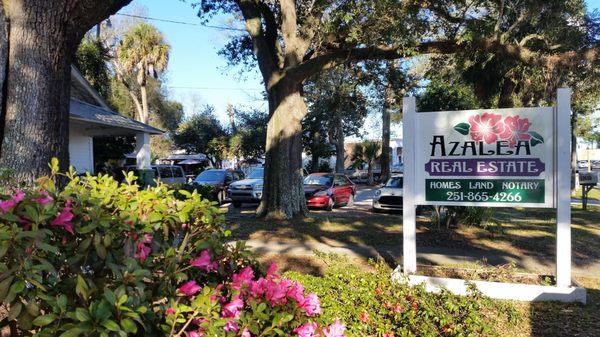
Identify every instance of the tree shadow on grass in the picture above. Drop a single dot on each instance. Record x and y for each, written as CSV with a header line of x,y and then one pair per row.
x,y
549,319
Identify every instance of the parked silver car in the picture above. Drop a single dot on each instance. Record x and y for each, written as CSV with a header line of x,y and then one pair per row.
x,y
390,195
248,190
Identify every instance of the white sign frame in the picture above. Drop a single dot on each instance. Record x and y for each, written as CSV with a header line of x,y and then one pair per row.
x,y
563,291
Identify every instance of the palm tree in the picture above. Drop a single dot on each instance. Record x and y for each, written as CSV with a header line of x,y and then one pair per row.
x,y
145,52
367,152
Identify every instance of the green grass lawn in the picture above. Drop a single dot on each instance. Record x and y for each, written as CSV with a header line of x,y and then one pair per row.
x,y
528,232
525,232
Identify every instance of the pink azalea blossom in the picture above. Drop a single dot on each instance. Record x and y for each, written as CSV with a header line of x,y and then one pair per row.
x,y
45,199
311,305
6,205
143,251
276,292
63,219
18,197
148,238
364,317
230,326
232,309
246,333
296,292
258,288
485,127
170,311
516,129
197,333
243,278
335,330
306,330
272,271
204,261
189,288
388,334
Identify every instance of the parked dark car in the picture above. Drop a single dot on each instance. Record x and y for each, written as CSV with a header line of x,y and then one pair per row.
x,y
327,190
219,179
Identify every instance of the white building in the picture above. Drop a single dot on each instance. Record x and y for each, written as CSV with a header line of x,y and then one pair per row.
x,y
90,116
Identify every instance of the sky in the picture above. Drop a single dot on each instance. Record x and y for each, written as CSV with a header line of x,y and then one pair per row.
x,y
197,75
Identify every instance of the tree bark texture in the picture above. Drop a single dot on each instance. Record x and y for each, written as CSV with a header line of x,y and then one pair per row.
x,y
314,161
3,64
145,117
283,159
42,40
37,102
386,121
340,152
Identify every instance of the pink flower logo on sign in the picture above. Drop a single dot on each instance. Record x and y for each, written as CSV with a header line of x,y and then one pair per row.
x,y
485,127
515,129
489,128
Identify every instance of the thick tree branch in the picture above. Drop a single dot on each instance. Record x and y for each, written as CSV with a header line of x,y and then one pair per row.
x,y
91,12
265,55
338,56
271,34
289,27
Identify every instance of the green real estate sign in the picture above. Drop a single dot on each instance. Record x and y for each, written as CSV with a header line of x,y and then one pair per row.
x,y
478,190
498,157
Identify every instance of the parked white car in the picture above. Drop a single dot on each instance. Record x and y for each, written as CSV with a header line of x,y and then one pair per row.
x,y
390,195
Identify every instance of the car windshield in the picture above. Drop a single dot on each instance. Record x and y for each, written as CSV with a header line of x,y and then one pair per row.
x,y
394,182
256,174
211,175
314,179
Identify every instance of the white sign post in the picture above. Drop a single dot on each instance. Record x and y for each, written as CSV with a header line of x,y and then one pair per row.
x,y
493,158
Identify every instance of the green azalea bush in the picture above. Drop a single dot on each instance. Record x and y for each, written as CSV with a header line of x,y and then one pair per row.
x,y
372,304
102,258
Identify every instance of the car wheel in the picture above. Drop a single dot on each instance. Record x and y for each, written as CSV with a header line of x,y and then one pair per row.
x,y
237,204
350,200
330,204
375,210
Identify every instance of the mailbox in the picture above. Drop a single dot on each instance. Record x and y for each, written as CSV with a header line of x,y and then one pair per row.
x,y
588,178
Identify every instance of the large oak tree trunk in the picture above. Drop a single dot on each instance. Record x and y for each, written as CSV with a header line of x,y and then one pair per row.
x,y
42,40
3,64
283,193
37,95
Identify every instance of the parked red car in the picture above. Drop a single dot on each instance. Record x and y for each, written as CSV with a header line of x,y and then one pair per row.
x,y
326,190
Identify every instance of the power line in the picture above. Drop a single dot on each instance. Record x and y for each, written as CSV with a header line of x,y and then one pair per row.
x,y
182,22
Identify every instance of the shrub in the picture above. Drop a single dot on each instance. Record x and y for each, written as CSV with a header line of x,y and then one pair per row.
x,y
371,304
247,305
100,258
204,190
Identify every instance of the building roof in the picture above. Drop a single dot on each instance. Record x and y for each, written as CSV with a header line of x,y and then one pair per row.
x,y
86,112
88,106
